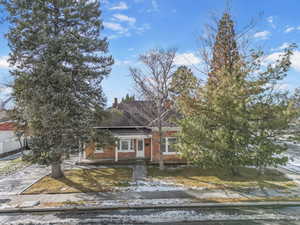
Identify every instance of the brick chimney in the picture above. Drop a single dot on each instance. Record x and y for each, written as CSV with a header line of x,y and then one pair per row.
x,y
115,104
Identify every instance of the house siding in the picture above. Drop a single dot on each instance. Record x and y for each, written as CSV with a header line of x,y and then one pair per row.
x,y
109,153
156,151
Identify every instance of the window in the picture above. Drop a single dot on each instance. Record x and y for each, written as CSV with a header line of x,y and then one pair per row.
x,y
171,142
126,145
98,148
167,145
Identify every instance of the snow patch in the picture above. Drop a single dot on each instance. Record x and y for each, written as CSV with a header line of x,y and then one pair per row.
x,y
152,185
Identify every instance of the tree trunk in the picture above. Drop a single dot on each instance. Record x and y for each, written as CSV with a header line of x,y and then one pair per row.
x,y
234,171
21,146
161,162
161,159
56,171
261,171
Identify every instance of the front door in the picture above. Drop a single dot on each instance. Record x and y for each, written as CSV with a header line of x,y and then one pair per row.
x,y
140,152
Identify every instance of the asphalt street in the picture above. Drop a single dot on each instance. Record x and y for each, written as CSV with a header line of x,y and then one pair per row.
x,y
191,216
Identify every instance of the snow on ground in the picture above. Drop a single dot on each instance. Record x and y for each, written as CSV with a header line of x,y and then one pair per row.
x,y
293,154
143,202
152,185
152,217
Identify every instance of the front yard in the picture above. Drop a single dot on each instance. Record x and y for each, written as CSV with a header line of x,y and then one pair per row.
x,y
83,180
191,177
10,166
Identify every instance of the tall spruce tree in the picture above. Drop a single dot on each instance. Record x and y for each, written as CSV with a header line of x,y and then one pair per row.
x,y
59,61
232,120
225,50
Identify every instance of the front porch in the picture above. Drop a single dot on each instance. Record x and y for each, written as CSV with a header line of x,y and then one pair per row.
x,y
132,143
132,147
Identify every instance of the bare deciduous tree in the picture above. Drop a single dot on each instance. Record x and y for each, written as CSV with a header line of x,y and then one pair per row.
x,y
153,83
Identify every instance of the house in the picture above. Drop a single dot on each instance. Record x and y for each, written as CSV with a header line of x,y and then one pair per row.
x,y
9,143
134,125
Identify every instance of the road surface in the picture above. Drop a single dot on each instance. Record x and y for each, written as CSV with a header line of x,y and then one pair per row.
x,y
184,216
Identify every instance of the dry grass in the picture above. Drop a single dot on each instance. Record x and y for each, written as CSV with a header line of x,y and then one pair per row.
x,y
8,167
66,203
83,180
222,179
243,199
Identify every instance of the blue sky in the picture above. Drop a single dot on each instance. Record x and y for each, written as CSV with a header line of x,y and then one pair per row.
x,y
135,26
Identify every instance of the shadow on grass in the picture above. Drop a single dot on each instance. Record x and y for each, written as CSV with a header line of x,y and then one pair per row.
x,y
83,180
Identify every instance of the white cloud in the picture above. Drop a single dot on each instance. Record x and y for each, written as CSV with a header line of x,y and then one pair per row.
x,y
123,62
143,28
289,29
115,27
284,45
283,87
124,18
119,6
272,58
270,20
262,35
187,59
4,63
295,59
281,47
5,90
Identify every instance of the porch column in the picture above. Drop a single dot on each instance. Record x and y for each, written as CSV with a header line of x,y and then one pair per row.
x,y
80,151
116,153
151,142
84,155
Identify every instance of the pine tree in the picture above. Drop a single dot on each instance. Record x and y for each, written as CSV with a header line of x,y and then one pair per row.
x,y
225,50
128,98
232,120
59,62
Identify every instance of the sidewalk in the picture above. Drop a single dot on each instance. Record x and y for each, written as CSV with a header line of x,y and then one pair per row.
x,y
141,192
127,200
140,198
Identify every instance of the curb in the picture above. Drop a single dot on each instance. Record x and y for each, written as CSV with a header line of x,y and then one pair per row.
x,y
141,207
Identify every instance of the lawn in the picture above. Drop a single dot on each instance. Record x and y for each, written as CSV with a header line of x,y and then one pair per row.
x,y
11,166
83,180
222,179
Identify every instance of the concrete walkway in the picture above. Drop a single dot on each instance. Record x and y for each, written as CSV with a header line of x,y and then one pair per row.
x,y
139,171
124,198
17,182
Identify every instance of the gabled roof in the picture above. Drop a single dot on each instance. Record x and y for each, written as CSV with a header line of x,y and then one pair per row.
x,y
136,114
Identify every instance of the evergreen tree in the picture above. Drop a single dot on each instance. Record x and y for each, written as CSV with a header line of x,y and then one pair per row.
x,y
183,81
128,98
225,50
59,62
232,120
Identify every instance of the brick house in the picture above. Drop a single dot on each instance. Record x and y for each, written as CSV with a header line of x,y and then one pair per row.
x,y
133,124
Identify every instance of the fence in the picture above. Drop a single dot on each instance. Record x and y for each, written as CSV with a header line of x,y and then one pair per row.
x,y
9,145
